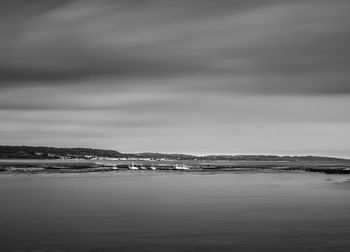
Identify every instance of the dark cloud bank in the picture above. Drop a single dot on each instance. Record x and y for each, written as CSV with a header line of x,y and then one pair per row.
x,y
287,46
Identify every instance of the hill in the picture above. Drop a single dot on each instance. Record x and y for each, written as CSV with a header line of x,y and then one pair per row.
x,y
41,152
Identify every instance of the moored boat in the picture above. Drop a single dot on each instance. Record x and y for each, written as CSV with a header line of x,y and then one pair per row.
x,y
133,167
181,167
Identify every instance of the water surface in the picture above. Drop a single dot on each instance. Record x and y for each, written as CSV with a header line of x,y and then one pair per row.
x,y
169,211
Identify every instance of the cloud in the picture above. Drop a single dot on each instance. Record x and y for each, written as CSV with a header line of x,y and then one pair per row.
x,y
224,76
290,47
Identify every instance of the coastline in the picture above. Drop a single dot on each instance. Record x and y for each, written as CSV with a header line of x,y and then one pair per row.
x,y
28,166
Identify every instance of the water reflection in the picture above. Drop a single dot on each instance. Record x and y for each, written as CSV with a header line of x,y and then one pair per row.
x,y
165,211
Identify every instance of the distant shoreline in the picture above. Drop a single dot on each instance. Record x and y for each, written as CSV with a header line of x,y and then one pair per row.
x,y
43,152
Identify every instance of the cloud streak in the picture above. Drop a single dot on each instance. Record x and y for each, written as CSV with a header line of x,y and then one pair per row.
x,y
288,46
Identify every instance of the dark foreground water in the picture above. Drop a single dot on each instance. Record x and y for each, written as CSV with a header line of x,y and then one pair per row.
x,y
164,211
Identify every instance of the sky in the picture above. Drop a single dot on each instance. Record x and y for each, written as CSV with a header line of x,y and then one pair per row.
x,y
180,76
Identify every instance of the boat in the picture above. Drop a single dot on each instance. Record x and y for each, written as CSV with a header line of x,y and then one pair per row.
x,y
181,167
142,167
153,168
132,167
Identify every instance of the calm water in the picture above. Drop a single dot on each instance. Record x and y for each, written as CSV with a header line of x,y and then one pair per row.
x,y
163,211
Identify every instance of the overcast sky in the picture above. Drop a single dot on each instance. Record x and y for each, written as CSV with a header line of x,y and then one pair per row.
x,y
179,76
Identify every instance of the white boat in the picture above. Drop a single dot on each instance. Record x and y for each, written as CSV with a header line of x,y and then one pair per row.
x,y
133,167
153,168
142,167
181,167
